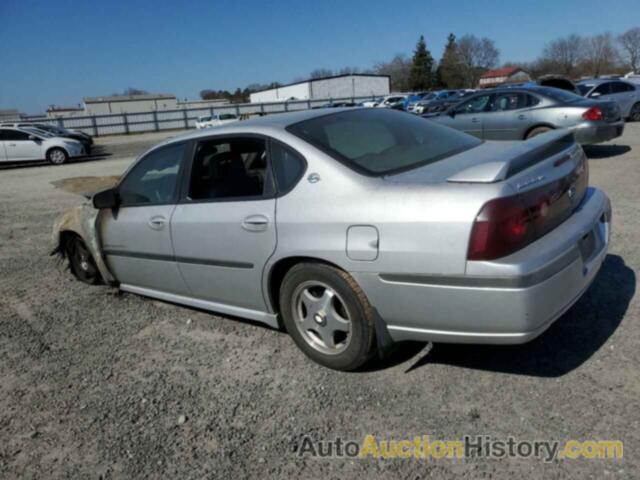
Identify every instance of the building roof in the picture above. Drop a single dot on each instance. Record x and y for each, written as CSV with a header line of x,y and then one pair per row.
x,y
310,80
500,72
130,98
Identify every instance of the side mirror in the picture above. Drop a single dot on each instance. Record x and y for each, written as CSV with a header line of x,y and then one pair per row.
x,y
106,199
452,112
34,138
595,94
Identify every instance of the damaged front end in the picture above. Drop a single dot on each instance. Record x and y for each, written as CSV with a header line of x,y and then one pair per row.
x,y
80,221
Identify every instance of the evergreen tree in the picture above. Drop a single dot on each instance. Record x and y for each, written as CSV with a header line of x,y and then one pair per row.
x,y
450,70
421,77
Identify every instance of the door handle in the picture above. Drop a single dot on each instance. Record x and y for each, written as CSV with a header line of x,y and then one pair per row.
x,y
255,223
158,222
522,117
12,144
474,120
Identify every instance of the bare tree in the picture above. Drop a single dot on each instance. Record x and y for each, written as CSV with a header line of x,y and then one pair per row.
x,y
476,55
564,54
348,70
321,73
630,43
399,71
600,54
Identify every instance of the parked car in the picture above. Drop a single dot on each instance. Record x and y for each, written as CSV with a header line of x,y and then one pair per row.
x,y
215,120
522,113
421,106
625,94
28,144
372,103
355,228
86,140
412,99
391,101
444,103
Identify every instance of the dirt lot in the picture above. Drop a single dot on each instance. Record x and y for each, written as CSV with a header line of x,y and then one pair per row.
x,y
97,384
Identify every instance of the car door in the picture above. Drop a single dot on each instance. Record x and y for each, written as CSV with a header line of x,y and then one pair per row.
x,y
3,154
508,118
467,116
136,236
224,228
19,146
625,96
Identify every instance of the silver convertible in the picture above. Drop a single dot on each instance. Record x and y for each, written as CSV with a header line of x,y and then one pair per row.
x,y
353,229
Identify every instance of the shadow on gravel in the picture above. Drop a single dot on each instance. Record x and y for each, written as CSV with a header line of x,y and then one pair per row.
x,y
595,152
568,343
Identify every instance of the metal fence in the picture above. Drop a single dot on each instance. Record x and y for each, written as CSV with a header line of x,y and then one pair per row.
x,y
159,120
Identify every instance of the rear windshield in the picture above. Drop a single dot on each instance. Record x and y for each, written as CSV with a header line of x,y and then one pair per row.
x,y
382,142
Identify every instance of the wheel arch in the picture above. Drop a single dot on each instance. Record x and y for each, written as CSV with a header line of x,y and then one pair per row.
x,y
276,273
537,125
56,147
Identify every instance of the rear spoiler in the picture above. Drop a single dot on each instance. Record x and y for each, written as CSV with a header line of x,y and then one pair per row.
x,y
518,158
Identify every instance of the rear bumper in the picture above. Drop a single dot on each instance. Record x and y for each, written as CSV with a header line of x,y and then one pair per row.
x,y
596,132
501,302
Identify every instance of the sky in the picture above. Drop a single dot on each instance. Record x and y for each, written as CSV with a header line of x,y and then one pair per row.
x,y
59,51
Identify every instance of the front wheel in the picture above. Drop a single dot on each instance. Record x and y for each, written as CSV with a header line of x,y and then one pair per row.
x,y
82,264
57,156
328,316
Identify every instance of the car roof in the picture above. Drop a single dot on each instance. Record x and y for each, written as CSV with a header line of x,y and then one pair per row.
x,y
276,121
599,81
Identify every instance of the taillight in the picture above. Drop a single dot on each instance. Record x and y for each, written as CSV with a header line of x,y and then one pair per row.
x,y
593,114
507,224
502,227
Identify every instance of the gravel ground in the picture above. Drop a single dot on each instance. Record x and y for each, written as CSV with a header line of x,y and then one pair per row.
x,y
99,384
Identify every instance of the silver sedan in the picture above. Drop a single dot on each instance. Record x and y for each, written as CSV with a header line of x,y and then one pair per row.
x,y
353,229
522,113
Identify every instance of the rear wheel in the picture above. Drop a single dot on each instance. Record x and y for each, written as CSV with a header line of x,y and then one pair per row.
x,y
81,262
328,316
634,115
57,156
537,131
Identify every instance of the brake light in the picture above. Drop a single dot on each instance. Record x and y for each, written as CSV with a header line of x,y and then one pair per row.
x,y
502,226
508,224
593,114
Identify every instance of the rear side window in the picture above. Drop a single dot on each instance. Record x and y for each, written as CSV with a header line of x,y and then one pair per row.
x,y
382,142
288,166
230,168
154,179
603,89
13,135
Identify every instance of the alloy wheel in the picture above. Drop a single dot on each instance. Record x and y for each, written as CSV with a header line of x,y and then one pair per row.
x,y
321,317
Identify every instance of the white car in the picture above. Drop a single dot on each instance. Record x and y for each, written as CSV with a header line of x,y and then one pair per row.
x,y
390,100
372,103
31,144
215,120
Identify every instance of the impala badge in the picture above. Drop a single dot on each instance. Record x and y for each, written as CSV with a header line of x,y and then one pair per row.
x,y
313,178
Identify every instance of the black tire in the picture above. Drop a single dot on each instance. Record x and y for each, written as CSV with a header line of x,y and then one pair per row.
x,y
537,131
634,114
57,156
358,345
81,262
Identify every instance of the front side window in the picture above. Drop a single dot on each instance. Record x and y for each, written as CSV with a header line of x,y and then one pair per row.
x,y
154,179
621,87
229,168
474,105
509,101
382,142
603,89
14,135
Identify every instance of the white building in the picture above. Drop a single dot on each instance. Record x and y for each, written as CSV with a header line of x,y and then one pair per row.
x,y
339,86
129,104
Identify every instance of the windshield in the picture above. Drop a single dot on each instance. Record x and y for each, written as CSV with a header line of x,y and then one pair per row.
x,y
37,131
382,142
584,89
204,119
